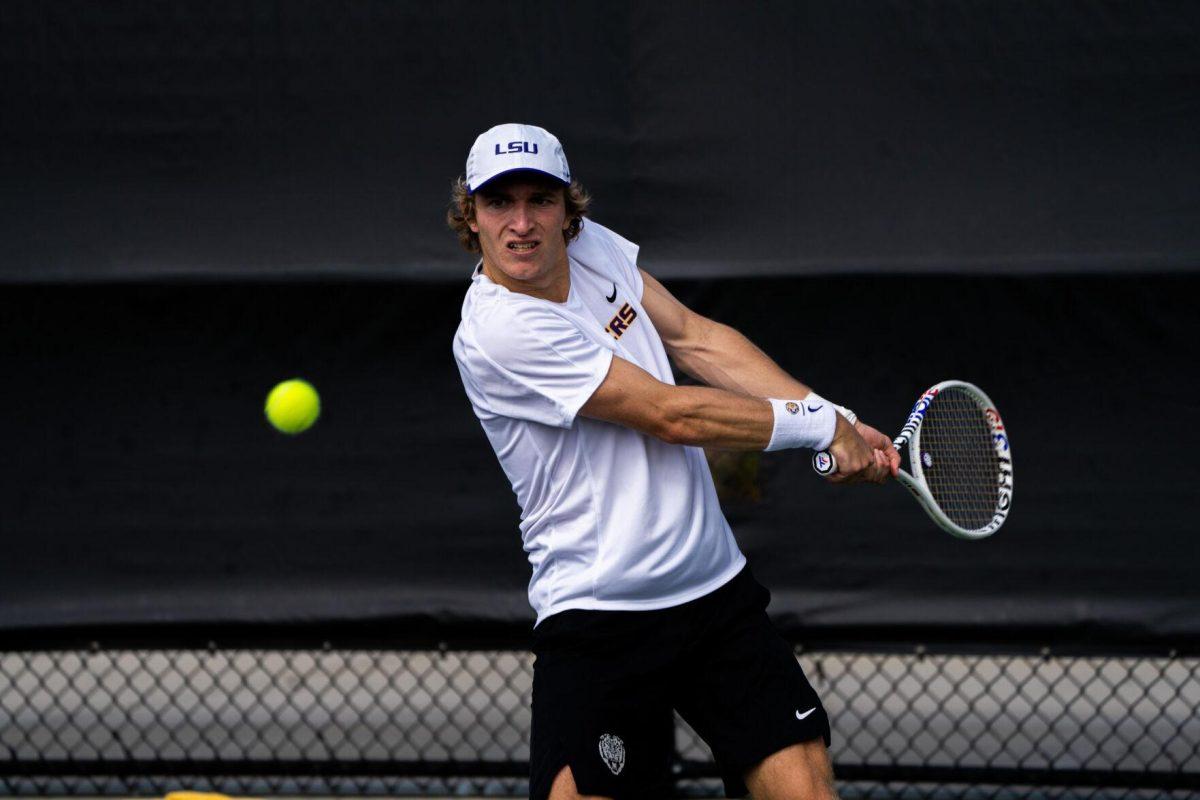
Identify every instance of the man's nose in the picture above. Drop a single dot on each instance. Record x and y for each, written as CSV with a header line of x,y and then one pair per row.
x,y
522,220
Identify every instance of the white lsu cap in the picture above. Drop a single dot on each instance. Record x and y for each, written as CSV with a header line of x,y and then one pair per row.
x,y
513,146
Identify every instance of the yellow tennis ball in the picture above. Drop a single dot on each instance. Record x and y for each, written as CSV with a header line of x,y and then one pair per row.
x,y
293,406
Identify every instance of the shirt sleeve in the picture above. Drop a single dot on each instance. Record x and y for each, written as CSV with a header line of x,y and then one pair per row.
x,y
532,364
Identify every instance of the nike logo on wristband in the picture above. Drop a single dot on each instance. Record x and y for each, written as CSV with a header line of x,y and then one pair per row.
x,y
614,294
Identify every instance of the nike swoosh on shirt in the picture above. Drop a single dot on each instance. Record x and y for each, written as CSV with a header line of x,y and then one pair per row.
x,y
812,410
614,294
805,714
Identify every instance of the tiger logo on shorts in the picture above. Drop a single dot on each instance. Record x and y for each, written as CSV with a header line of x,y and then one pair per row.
x,y
612,750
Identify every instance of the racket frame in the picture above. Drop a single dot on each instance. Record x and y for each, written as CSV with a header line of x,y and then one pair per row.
x,y
910,437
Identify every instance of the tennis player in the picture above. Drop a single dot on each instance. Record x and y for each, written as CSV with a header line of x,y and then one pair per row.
x,y
644,602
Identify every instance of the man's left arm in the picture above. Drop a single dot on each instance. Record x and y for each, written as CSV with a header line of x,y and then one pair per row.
x,y
718,355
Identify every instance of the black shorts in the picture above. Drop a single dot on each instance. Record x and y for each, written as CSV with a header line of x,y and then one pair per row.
x,y
605,683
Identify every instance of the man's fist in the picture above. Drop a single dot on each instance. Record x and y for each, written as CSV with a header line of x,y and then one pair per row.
x,y
857,460
877,441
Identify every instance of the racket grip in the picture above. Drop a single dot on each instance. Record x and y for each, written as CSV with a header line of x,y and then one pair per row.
x,y
824,464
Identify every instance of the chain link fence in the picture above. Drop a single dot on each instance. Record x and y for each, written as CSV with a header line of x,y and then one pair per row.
x,y
454,722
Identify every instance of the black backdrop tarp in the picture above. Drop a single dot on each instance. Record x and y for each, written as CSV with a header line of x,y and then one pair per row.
x,y
198,200
141,485
233,139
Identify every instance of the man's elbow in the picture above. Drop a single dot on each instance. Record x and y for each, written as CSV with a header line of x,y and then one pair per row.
x,y
702,346
693,337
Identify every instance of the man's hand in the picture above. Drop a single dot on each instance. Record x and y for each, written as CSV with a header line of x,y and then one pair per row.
x,y
877,441
857,460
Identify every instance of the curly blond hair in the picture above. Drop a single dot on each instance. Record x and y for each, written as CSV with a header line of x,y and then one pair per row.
x,y
462,212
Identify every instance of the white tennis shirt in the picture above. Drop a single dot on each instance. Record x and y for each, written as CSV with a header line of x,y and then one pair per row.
x,y
611,518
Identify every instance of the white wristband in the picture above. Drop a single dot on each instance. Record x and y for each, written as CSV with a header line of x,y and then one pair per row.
x,y
807,423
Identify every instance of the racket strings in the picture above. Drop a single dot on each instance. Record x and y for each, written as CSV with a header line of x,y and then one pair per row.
x,y
958,460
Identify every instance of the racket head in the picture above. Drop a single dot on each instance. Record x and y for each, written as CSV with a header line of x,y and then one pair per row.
x,y
960,459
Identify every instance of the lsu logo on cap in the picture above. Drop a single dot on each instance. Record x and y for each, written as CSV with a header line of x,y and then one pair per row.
x,y
517,147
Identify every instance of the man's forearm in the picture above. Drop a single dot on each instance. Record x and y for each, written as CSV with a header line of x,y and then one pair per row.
x,y
691,415
720,356
701,416
717,418
708,417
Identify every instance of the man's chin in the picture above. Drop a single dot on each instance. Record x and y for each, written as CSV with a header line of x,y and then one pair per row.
x,y
523,271
526,266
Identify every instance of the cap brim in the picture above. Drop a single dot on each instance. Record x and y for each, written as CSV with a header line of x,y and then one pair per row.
x,y
491,178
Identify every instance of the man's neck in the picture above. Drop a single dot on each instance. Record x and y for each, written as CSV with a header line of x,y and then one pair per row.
x,y
553,287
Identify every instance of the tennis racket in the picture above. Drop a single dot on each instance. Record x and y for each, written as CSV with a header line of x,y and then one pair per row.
x,y
960,460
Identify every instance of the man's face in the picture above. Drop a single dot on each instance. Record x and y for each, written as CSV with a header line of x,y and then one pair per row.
x,y
520,219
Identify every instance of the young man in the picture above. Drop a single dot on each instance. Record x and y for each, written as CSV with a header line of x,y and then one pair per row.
x,y
644,602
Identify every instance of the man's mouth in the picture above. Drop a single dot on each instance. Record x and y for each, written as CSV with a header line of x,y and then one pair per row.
x,y
522,247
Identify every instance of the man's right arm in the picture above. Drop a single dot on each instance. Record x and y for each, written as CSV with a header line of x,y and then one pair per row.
x,y
706,417
693,415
